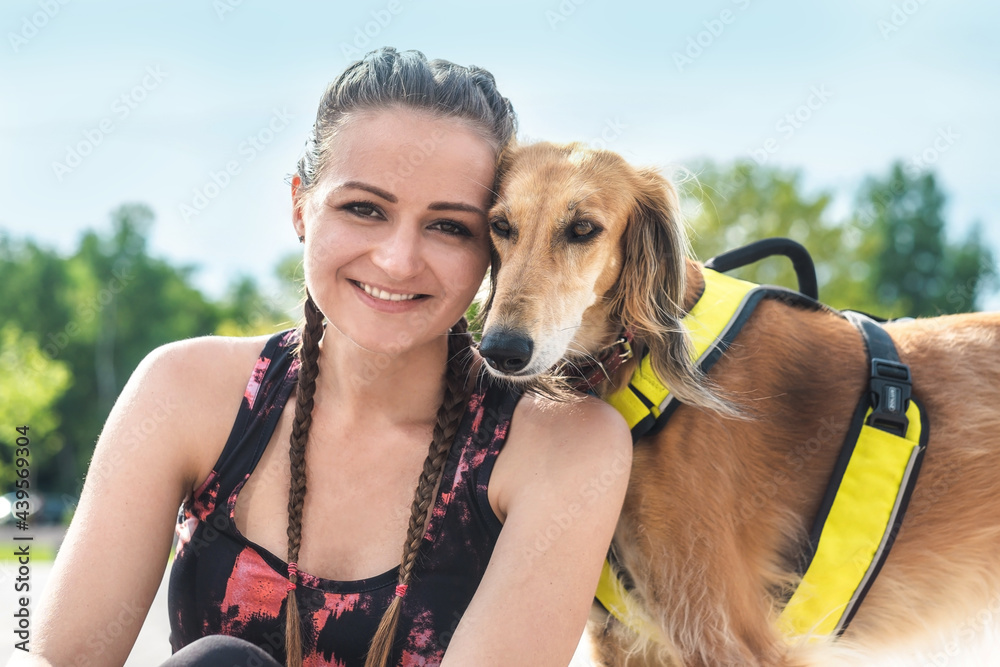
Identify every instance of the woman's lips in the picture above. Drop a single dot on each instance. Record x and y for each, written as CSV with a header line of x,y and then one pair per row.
x,y
385,301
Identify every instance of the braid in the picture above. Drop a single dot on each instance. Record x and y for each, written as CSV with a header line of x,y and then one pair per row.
x,y
448,418
308,354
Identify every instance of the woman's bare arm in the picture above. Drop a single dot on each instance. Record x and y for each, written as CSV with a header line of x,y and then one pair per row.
x,y
113,557
565,478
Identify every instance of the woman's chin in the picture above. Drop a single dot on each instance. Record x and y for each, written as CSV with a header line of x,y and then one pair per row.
x,y
380,341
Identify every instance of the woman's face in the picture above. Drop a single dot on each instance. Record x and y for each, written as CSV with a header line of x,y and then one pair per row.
x,y
396,239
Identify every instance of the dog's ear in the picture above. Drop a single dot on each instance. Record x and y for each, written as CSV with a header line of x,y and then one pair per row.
x,y
649,296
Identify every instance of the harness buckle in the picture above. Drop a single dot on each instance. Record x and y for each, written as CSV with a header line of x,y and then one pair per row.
x,y
626,345
890,387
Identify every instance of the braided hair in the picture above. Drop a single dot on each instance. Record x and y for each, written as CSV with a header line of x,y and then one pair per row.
x,y
384,79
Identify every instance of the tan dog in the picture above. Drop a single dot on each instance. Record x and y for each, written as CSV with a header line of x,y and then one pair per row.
x,y
587,244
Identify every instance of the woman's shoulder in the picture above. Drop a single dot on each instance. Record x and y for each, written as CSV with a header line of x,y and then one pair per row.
x,y
562,445
204,379
201,364
580,425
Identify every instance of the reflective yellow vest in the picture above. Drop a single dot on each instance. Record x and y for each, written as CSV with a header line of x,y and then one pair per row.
x,y
868,491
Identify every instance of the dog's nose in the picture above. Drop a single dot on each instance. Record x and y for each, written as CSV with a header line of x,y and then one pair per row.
x,y
506,351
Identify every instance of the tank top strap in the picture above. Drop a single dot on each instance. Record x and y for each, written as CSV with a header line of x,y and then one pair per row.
x,y
465,480
497,411
273,377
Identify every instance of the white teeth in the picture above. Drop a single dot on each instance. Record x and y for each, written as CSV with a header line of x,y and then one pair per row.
x,y
385,296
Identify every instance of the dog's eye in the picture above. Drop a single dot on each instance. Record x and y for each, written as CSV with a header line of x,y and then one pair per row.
x,y
500,227
582,230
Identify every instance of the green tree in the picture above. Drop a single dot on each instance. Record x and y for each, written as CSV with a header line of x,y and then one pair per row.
x,y
916,271
28,399
730,206
125,303
98,313
248,311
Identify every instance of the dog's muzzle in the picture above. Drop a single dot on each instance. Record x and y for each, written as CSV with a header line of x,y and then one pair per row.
x,y
506,351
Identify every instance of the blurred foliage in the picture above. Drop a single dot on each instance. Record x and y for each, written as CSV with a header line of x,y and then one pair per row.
x,y
471,317
915,271
889,257
76,327
28,399
734,205
245,311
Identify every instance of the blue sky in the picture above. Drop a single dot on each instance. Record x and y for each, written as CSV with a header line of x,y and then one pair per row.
x,y
161,96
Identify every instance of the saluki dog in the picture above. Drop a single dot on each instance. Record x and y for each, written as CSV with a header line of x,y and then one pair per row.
x,y
721,500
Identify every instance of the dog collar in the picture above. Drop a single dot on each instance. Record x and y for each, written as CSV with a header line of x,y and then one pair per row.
x,y
588,375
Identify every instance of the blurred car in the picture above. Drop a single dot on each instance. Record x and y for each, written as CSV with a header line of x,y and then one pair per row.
x,y
42,508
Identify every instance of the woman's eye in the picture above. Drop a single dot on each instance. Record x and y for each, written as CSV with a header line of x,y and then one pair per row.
x,y
453,228
582,230
500,227
363,209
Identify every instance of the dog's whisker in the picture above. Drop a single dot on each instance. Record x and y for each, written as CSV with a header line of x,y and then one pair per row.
x,y
595,361
585,353
564,364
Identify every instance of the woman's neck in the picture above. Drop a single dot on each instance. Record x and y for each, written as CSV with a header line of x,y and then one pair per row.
x,y
403,388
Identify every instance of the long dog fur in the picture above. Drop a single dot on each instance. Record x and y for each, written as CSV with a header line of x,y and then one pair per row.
x,y
720,501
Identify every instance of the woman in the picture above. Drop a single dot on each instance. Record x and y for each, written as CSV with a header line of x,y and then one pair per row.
x,y
390,201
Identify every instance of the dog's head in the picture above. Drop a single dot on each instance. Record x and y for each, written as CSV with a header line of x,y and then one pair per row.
x,y
585,244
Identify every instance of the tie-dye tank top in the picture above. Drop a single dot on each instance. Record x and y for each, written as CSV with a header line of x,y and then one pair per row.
x,y
222,583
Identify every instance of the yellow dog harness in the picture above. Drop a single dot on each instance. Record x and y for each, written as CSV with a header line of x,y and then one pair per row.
x,y
868,491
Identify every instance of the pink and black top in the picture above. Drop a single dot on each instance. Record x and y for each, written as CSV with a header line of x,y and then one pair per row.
x,y
222,583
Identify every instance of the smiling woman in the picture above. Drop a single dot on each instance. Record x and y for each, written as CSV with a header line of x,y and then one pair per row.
x,y
400,552
420,247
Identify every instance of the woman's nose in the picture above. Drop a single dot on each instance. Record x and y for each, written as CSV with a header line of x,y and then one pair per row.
x,y
399,253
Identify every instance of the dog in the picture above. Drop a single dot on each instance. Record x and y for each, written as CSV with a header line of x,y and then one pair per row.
x,y
586,246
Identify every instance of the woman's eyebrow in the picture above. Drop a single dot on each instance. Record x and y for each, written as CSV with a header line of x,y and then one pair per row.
x,y
384,194
433,206
455,206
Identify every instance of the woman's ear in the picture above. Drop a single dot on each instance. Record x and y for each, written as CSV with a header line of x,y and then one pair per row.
x,y
297,223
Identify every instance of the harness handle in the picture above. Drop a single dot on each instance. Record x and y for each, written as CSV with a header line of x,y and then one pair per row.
x,y
805,271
